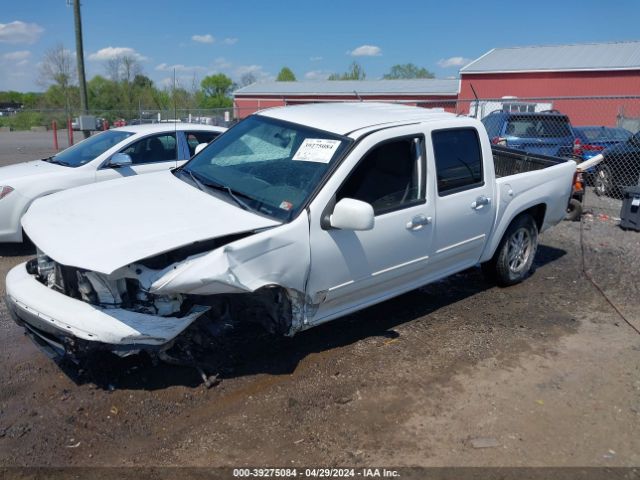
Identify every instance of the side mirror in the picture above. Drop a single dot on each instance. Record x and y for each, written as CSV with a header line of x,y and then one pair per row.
x,y
199,148
351,214
120,160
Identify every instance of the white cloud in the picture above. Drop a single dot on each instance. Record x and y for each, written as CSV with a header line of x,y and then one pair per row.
x,y
453,62
230,41
16,73
315,59
164,67
20,55
207,38
366,51
110,53
221,63
317,75
20,32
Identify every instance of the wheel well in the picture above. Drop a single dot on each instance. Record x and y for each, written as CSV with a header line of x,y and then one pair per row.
x,y
537,212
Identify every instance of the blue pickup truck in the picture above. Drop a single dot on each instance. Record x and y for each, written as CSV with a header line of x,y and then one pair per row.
x,y
544,133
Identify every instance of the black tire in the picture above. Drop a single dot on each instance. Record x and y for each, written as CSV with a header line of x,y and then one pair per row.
x,y
602,181
513,260
574,210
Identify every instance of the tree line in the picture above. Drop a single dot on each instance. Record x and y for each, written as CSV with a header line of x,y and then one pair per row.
x,y
124,91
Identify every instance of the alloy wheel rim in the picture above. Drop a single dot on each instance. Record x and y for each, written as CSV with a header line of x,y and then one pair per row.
x,y
602,181
519,250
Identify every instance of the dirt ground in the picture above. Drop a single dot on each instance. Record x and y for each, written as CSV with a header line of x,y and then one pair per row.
x,y
458,373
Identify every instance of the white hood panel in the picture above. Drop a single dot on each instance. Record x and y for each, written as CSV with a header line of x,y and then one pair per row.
x,y
29,169
105,226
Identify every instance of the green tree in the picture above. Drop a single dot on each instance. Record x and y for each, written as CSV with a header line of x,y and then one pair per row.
x,y
215,91
58,97
286,75
407,70
355,72
104,94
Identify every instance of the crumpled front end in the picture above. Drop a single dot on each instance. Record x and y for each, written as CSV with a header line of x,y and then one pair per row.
x,y
68,326
147,304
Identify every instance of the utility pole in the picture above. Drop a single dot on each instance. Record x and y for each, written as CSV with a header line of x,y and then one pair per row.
x,y
84,103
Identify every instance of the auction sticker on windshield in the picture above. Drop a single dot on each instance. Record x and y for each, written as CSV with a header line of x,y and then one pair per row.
x,y
316,150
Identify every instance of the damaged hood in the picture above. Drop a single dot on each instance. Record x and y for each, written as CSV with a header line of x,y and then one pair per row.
x,y
105,226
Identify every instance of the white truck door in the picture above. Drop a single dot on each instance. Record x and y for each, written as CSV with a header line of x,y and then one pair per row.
x,y
465,198
353,268
153,153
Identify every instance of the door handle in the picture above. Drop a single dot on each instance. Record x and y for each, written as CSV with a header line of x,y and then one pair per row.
x,y
480,202
418,222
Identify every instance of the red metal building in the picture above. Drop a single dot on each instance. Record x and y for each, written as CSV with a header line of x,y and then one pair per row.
x,y
425,92
561,73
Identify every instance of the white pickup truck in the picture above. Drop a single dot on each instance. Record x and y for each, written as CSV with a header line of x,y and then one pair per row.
x,y
294,217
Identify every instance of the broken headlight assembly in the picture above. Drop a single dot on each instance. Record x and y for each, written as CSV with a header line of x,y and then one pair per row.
x,y
100,290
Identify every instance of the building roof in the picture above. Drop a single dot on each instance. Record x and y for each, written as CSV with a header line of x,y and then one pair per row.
x,y
424,86
559,58
346,117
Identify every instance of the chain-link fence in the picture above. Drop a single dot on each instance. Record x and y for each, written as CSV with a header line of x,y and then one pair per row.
x,y
576,127
26,119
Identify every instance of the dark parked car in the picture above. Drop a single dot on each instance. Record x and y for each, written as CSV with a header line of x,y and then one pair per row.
x,y
546,133
620,168
592,140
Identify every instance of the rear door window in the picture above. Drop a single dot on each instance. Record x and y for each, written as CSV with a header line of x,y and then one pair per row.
x,y
152,149
196,138
539,126
458,160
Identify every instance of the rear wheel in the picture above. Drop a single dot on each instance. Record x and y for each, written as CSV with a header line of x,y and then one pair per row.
x,y
574,210
514,257
602,181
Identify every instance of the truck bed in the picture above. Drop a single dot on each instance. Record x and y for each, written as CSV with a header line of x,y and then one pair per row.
x,y
509,161
525,180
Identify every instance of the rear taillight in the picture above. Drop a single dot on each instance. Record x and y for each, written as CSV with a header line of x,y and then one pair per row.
x,y
593,148
578,183
577,147
499,141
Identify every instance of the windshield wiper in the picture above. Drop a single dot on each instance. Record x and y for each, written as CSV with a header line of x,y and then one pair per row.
x,y
233,194
194,178
220,186
53,159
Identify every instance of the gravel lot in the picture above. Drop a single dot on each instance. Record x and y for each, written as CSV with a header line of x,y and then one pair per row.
x,y
546,373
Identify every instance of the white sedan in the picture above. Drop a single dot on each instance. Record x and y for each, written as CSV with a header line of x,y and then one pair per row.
x,y
112,154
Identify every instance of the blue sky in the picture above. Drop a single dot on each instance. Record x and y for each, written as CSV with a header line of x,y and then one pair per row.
x,y
313,38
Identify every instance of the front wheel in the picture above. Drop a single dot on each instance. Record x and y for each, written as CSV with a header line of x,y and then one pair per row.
x,y
514,257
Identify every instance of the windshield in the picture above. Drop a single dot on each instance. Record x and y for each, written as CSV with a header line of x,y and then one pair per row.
x,y
89,149
538,126
270,165
604,134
